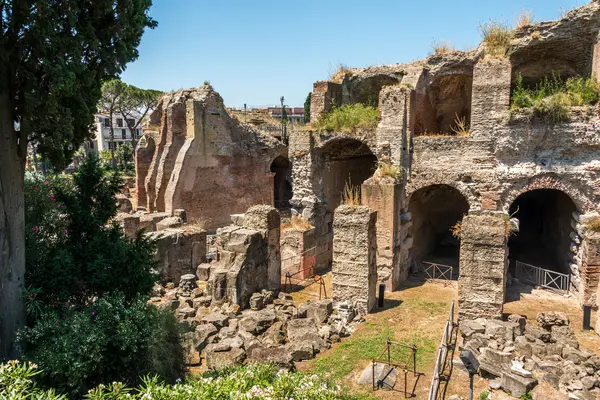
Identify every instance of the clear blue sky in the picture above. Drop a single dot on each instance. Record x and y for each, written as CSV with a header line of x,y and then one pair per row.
x,y
254,51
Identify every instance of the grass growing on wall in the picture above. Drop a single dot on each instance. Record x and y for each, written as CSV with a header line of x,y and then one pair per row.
x,y
553,97
348,118
497,37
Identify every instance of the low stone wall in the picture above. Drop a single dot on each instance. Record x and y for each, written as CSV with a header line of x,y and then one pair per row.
x,y
179,252
298,252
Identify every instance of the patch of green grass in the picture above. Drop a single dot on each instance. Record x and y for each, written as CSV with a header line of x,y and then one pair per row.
x,y
552,98
348,118
368,345
433,308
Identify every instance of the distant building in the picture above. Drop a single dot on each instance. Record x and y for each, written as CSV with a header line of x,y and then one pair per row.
x,y
294,114
122,132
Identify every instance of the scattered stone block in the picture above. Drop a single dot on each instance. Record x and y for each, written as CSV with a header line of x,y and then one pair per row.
x,y
517,385
203,272
280,356
217,319
205,335
219,356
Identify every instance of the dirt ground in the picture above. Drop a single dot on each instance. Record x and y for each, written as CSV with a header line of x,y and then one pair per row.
x,y
416,314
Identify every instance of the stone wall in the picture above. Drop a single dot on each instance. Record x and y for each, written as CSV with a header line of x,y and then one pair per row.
x,y
384,199
249,257
207,162
324,96
179,252
298,252
354,272
483,265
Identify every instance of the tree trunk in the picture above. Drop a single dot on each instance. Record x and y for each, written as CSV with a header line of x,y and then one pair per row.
x,y
12,232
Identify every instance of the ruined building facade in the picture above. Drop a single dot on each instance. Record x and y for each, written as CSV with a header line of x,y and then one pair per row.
x,y
509,166
196,157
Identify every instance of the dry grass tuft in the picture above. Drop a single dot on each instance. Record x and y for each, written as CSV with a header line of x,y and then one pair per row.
x,y
351,195
297,223
340,73
460,128
385,169
456,229
525,18
442,47
496,36
593,224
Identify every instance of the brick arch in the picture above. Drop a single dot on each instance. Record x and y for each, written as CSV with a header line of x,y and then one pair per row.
x,y
459,186
369,141
579,198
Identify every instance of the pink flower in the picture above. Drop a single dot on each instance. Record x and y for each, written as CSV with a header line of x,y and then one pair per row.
x,y
66,231
51,197
46,183
35,228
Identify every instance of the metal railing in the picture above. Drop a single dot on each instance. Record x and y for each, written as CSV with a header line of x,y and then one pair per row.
x,y
542,277
443,363
410,365
437,271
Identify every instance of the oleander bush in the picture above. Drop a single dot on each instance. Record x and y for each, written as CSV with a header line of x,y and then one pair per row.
x,y
257,381
88,320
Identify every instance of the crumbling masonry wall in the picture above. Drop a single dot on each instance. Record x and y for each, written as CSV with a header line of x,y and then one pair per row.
x,y
205,161
484,264
354,272
249,257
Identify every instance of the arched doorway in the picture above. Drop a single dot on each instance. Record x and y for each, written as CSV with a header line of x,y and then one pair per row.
x,y
345,162
281,182
435,210
544,236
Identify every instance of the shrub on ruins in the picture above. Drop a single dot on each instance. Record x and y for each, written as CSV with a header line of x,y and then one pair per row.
x,y
348,118
552,98
110,339
74,251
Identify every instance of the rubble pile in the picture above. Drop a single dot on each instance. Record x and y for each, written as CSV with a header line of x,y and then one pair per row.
x,y
519,355
220,333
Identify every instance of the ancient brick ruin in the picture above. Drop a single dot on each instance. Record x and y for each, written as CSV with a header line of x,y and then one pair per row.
x,y
509,165
512,190
198,158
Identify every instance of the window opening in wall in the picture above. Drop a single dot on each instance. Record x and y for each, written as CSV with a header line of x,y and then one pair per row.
x,y
281,182
347,162
443,107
